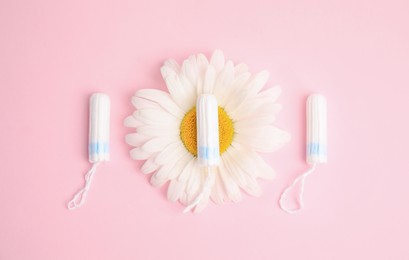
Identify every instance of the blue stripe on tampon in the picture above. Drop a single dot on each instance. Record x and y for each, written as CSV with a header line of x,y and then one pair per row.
x,y
98,148
316,149
208,153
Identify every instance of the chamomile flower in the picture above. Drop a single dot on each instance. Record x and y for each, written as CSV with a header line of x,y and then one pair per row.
x,y
165,124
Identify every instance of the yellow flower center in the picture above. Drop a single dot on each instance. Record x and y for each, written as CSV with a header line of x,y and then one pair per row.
x,y
188,132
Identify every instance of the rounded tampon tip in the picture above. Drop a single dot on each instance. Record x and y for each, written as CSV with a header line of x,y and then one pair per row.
x,y
316,97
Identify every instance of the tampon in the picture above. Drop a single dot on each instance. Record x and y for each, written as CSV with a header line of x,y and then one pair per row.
x,y
316,129
316,147
207,123
98,142
208,147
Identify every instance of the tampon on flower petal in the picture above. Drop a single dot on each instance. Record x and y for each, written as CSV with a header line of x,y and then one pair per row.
x,y
207,130
208,146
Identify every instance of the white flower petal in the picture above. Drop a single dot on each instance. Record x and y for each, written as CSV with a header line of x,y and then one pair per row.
x,y
158,131
171,153
230,186
157,181
244,88
190,70
183,198
136,139
250,161
130,121
264,170
195,187
178,186
260,120
180,165
149,166
160,177
233,174
171,170
240,68
190,89
161,98
255,112
240,81
218,194
264,102
237,93
172,64
175,190
203,202
141,103
244,180
167,72
241,159
170,125
202,64
236,99
264,99
209,80
258,82
217,60
272,93
157,117
199,86
194,183
157,144
223,82
178,92
138,154
252,187
188,170
262,139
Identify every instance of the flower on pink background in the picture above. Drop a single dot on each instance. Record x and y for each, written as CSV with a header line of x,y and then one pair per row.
x,y
165,126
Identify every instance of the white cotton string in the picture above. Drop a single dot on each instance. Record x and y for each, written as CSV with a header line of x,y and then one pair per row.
x,y
79,197
206,189
301,179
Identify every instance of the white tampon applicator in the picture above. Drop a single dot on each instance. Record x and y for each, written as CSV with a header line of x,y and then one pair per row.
x,y
208,154
316,144
98,142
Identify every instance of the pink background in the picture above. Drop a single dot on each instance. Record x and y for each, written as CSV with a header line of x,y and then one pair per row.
x,y
54,54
